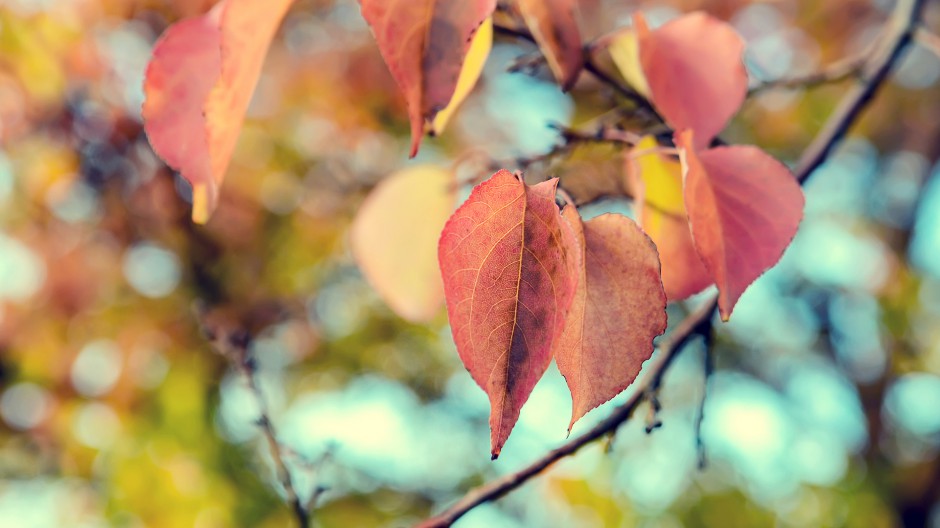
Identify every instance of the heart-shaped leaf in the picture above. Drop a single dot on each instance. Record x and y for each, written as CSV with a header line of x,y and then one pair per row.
x,y
618,308
510,268
744,208
695,72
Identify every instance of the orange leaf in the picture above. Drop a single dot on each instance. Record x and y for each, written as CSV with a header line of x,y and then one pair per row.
x,y
198,85
394,239
744,208
510,268
424,43
657,190
554,26
618,308
695,72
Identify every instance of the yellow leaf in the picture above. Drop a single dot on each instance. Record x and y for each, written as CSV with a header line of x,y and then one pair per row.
x,y
394,239
625,51
656,182
469,74
662,178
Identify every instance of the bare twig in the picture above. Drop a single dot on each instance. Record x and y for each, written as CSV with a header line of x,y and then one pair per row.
x,y
233,344
571,137
835,72
590,66
708,366
899,34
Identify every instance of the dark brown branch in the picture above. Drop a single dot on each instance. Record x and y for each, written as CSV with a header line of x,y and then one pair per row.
x,y
891,46
233,344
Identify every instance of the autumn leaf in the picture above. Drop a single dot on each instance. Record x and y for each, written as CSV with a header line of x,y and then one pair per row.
x,y
624,49
618,308
394,238
469,74
656,182
744,208
199,82
183,69
695,72
510,268
554,27
424,43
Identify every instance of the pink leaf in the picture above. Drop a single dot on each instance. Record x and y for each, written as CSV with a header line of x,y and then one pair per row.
x,y
695,72
744,208
618,308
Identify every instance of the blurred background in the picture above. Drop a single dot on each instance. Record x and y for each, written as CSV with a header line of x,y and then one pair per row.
x,y
823,409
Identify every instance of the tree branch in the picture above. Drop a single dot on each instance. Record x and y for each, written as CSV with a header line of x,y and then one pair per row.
x,y
233,345
837,71
590,66
695,323
899,34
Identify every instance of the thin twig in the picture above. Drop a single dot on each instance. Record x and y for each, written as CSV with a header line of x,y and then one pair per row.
x,y
903,21
590,66
708,365
234,346
835,72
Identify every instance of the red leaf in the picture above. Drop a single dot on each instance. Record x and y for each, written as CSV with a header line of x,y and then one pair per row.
x,y
695,72
424,43
510,268
656,182
394,238
554,26
618,308
744,208
198,85
183,69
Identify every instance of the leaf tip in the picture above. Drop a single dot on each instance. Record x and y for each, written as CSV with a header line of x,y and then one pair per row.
x,y
201,206
640,25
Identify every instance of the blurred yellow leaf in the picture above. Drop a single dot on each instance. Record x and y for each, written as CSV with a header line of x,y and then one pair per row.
x,y
657,186
394,238
625,51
